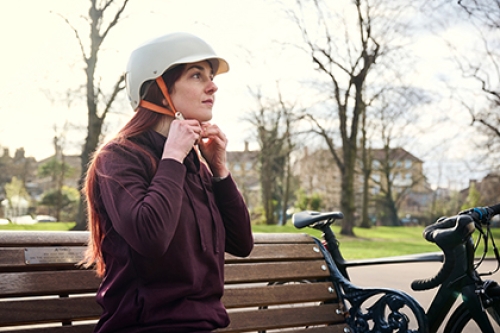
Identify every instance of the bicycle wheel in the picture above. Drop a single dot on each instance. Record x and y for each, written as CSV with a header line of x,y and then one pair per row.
x,y
461,322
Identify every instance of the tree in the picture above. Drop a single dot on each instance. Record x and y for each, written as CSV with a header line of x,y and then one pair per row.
x,y
366,170
355,46
57,170
64,202
479,63
273,122
473,198
291,116
17,197
308,202
347,77
102,17
484,15
393,115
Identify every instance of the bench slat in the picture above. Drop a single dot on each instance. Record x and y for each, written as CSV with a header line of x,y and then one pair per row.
x,y
49,310
273,252
13,258
41,238
274,238
283,318
278,294
275,271
79,281
48,283
337,328
75,238
87,328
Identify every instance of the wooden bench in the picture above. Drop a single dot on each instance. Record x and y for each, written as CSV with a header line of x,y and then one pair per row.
x,y
42,290
288,282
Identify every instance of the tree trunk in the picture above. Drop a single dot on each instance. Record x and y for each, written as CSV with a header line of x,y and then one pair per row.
x,y
366,168
98,32
286,191
347,200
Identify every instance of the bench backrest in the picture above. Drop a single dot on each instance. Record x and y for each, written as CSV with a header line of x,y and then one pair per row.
x,y
282,284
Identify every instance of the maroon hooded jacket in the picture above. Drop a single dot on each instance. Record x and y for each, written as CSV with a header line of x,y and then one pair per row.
x,y
166,234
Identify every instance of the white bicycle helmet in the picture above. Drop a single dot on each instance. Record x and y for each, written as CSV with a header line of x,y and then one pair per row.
x,y
153,58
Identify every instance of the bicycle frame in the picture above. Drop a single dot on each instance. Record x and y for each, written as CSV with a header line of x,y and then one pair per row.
x,y
463,279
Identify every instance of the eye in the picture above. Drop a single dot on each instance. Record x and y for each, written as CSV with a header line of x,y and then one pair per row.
x,y
197,75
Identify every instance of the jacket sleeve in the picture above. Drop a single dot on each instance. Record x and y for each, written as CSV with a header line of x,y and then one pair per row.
x,y
144,208
234,212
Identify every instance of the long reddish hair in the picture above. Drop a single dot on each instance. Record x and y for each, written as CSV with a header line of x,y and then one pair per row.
x,y
143,120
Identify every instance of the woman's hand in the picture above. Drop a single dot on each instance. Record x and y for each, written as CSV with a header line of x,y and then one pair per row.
x,y
182,135
213,148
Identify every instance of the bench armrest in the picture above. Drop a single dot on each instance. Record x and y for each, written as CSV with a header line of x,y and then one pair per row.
x,y
375,309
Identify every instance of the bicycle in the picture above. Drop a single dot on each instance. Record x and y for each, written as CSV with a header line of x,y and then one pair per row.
x,y
458,275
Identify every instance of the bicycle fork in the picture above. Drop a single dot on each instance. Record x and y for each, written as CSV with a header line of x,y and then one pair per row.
x,y
472,300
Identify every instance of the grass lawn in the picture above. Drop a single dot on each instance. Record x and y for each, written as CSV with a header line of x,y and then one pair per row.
x,y
376,242
41,226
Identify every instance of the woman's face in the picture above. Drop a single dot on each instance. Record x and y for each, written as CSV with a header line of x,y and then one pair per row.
x,y
193,94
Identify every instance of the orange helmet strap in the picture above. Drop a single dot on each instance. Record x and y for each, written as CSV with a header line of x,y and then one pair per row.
x,y
157,108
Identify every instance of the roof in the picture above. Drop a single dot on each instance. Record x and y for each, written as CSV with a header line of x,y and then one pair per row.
x,y
395,154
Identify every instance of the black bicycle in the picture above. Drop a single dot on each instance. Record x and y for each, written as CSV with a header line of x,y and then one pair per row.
x,y
480,305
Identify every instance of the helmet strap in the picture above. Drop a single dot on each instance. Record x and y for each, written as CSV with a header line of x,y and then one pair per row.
x,y
157,108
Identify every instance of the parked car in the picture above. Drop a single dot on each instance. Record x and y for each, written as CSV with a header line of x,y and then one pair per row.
x,y
45,218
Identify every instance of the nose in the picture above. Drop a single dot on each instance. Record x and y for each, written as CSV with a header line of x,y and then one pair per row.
x,y
211,88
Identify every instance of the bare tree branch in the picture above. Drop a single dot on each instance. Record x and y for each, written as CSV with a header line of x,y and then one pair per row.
x,y
116,18
77,35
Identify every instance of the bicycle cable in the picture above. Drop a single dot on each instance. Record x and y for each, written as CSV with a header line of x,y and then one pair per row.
x,y
489,235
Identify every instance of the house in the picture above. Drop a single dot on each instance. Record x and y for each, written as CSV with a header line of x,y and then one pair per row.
x,y
319,173
409,184
488,189
244,168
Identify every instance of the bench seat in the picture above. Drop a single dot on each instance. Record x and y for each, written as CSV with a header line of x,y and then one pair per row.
x,y
283,284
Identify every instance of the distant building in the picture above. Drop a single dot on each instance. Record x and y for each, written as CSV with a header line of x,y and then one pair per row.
x,y
488,188
318,173
243,165
408,179
19,166
244,168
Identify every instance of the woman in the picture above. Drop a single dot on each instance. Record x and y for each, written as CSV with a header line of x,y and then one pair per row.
x,y
160,218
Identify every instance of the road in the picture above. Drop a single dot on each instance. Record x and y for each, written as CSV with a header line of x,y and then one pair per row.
x,y
400,276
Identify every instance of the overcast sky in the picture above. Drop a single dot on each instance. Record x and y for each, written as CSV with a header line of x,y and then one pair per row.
x,y
41,59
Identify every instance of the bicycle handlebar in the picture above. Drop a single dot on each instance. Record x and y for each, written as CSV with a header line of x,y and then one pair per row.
x,y
450,231
447,233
